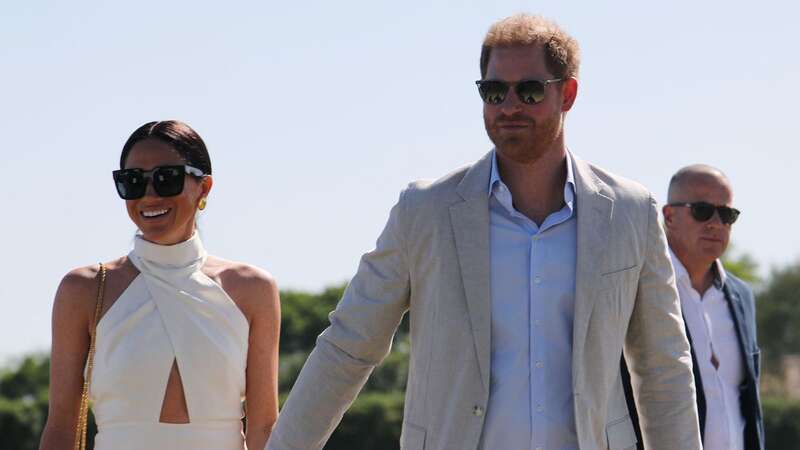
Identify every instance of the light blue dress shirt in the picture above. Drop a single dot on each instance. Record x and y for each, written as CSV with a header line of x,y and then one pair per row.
x,y
533,305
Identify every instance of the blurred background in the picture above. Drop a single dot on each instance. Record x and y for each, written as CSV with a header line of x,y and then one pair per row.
x,y
317,114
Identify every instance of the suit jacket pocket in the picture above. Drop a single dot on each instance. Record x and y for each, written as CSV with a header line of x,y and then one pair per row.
x,y
622,280
620,271
412,437
620,434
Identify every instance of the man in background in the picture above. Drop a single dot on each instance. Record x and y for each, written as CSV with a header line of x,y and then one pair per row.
x,y
718,309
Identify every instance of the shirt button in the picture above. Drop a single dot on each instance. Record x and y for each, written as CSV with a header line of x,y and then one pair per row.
x,y
540,408
539,364
537,322
536,238
537,280
477,411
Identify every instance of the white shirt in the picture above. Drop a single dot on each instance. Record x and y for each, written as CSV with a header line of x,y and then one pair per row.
x,y
713,334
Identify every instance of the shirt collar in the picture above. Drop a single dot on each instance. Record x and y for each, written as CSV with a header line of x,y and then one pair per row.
x,y
569,185
720,276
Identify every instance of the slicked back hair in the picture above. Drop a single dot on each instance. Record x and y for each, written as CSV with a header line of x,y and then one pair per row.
x,y
178,135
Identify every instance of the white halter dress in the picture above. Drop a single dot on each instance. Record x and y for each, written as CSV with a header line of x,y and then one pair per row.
x,y
170,312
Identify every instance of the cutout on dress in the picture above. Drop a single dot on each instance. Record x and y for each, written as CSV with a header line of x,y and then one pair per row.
x,y
173,407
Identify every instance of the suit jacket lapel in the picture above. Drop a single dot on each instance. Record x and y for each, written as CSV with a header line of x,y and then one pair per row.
x,y
698,383
470,220
594,210
737,312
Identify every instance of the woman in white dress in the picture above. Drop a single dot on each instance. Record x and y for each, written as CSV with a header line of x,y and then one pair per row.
x,y
183,337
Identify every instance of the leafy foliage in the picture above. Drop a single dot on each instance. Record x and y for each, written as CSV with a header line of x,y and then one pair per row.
x,y
23,403
779,315
373,422
781,423
304,316
375,418
742,266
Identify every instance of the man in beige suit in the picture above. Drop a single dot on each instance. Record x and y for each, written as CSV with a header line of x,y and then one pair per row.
x,y
526,275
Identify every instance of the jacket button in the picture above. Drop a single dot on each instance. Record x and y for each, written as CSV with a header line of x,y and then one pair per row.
x,y
477,411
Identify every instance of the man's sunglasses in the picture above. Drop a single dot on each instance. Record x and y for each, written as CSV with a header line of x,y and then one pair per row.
x,y
531,92
704,211
167,180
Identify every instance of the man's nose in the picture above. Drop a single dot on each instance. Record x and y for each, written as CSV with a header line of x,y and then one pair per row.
x,y
715,220
511,102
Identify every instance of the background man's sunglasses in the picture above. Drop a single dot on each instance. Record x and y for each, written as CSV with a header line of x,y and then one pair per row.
x,y
167,180
704,211
531,92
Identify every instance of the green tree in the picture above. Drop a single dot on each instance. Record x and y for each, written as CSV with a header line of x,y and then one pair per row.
x,y
743,266
304,316
781,423
23,403
779,315
375,418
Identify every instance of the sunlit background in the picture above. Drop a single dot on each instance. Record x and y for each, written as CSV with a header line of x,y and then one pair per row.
x,y
317,114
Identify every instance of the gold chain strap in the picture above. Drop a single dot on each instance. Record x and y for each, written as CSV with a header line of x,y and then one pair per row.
x,y
83,415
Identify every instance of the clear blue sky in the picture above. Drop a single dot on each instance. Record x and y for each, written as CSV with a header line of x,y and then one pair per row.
x,y
318,113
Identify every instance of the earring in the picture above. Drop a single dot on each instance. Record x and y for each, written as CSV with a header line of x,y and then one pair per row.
x,y
202,204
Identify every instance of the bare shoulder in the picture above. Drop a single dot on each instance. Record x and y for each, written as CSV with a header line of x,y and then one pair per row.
x,y
78,281
76,295
253,289
78,288
239,275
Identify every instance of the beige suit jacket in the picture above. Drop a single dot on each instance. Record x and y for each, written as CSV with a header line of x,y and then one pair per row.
x,y
432,260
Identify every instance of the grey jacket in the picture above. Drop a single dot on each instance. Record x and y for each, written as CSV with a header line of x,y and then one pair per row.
x,y
432,260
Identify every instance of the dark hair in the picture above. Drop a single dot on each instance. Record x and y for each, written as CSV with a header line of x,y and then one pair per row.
x,y
177,134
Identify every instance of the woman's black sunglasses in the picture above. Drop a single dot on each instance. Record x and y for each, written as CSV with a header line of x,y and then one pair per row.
x,y
167,180
531,92
704,211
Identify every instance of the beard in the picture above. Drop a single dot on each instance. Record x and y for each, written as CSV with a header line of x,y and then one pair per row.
x,y
526,144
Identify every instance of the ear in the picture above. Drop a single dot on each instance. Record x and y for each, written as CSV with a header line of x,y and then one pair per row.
x,y
569,92
205,186
667,211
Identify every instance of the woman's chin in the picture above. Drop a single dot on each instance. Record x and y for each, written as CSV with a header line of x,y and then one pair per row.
x,y
161,236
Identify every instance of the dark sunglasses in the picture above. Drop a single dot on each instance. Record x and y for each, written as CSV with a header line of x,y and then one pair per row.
x,y
530,92
704,211
167,180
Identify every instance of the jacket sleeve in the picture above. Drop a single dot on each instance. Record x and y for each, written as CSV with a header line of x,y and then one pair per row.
x,y
358,338
658,353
